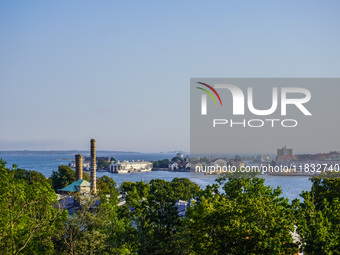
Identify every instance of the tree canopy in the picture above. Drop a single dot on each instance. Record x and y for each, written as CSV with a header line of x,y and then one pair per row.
x,y
175,159
64,176
232,216
106,185
103,164
249,218
164,163
319,216
27,218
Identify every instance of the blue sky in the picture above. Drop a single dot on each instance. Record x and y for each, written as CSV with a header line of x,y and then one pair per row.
x,y
119,71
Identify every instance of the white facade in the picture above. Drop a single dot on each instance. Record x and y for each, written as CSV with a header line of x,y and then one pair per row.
x,y
131,167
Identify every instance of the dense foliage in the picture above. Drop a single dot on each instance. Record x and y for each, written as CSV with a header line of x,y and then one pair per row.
x,y
103,164
28,220
248,218
319,216
63,177
164,163
175,159
233,216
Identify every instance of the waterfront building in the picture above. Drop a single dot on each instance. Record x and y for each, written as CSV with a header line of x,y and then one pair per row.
x,y
131,167
284,152
285,156
179,165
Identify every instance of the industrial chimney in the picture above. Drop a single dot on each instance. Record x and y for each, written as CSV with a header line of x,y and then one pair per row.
x,y
79,167
93,166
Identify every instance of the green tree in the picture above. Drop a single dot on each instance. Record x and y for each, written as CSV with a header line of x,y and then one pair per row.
x,y
175,159
115,223
319,229
79,233
86,176
106,185
184,189
237,174
249,218
63,177
103,164
155,164
19,173
164,163
325,186
28,175
319,216
154,215
34,177
27,217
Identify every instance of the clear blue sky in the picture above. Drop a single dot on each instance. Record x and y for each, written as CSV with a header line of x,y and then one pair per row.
x,y
119,71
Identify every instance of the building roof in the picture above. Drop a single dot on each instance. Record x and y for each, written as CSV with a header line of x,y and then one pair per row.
x,y
73,187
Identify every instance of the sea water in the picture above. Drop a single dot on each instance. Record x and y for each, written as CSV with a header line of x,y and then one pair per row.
x,y
291,186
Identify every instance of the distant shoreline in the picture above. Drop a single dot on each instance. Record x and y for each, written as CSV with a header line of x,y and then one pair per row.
x,y
66,152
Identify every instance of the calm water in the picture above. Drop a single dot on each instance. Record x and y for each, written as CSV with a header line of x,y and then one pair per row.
x,y
291,186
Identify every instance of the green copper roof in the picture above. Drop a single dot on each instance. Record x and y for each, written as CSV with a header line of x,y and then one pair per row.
x,y
73,187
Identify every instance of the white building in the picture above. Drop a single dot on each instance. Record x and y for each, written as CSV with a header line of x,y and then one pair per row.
x,y
131,167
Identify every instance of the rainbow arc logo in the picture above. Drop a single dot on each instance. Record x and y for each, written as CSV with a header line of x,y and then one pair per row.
x,y
209,93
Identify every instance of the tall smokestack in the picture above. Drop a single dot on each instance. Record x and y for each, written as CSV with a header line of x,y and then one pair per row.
x,y
79,167
93,166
